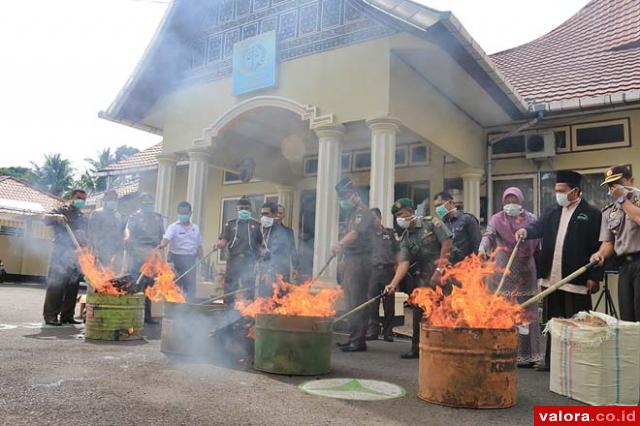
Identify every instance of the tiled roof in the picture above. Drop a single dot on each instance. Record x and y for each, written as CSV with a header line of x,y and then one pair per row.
x,y
122,191
20,197
145,159
594,53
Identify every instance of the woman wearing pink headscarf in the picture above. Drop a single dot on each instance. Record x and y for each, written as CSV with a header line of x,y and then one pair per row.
x,y
521,283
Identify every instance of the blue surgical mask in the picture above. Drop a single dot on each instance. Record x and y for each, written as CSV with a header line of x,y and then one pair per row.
x,y
244,215
346,204
512,209
147,208
441,211
78,203
562,199
184,218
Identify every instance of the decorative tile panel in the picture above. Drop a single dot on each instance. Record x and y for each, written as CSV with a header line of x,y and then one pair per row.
x,y
288,25
243,7
270,24
226,11
351,12
230,38
260,5
199,47
331,13
309,18
214,48
250,30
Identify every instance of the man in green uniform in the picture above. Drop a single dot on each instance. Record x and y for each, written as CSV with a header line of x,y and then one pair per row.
x,y
355,247
425,247
63,278
620,235
144,233
106,232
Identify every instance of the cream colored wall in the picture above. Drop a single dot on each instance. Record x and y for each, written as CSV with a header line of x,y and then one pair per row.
x,y
11,253
29,254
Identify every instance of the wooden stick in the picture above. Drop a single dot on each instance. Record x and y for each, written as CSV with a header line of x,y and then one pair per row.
x,y
507,270
358,308
222,296
72,235
324,268
213,250
538,297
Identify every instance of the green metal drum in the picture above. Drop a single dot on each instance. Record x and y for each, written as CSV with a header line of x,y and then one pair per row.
x,y
293,345
186,328
114,317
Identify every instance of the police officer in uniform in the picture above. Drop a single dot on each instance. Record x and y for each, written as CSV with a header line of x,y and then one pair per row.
x,y
63,278
620,235
144,233
106,232
425,248
355,247
242,238
384,255
464,226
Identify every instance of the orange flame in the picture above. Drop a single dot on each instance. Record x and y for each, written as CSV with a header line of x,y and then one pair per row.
x,y
293,299
471,303
164,286
98,276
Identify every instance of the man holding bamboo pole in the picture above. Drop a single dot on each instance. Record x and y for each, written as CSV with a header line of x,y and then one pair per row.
x,y
569,234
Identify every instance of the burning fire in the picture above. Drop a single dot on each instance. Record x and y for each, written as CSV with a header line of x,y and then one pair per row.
x,y
293,299
99,277
164,286
471,303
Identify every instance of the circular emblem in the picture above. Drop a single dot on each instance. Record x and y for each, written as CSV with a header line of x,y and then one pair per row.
x,y
609,172
353,389
253,58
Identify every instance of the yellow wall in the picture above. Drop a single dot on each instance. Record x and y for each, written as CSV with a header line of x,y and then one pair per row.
x,y
28,254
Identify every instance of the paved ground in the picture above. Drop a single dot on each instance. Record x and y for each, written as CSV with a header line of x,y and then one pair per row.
x,y
51,376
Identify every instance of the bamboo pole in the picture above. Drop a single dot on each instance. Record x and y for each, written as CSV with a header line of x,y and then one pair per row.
x,y
507,269
538,297
358,308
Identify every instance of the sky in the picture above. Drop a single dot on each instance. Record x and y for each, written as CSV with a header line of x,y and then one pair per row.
x,y
66,60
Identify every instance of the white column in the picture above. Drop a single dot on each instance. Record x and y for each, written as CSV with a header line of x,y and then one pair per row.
x,y
471,187
285,197
383,165
165,183
197,182
326,226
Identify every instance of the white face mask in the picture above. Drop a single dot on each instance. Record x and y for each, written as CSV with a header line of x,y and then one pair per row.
x,y
562,199
404,223
266,221
512,209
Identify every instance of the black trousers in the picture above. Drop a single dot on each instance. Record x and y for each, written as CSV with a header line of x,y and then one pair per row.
x,y
562,304
63,281
240,273
381,275
357,270
181,264
629,289
136,256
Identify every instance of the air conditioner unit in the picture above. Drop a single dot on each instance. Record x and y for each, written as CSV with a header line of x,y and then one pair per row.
x,y
541,145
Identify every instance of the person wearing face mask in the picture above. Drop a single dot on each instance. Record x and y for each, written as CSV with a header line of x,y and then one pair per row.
x,y
425,248
520,283
185,248
620,235
63,277
242,237
569,233
355,248
293,253
106,232
275,251
464,226
143,234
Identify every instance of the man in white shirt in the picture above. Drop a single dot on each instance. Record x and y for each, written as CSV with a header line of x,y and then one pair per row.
x,y
185,247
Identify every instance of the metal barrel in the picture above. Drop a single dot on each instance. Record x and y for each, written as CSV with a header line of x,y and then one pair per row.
x,y
293,345
114,317
186,328
468,367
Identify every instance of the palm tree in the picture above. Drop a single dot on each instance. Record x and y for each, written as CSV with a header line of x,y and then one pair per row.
x,y
55,175
86,182
102,160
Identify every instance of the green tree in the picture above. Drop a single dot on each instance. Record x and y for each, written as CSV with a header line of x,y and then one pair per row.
x,y
24,173
124,151
55,175
86,182
102,160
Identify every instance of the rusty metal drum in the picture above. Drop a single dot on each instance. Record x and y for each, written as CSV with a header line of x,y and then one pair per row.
x,y
186,328
468,367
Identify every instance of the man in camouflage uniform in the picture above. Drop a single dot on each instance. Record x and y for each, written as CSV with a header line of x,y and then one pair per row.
x,y
63,277
145,230
424,248
620,235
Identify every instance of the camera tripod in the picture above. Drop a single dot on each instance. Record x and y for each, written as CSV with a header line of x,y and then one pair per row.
x,y
609,306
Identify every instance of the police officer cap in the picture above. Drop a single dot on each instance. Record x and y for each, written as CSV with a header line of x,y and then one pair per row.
x,y
569,177
345,185
401,204
616,173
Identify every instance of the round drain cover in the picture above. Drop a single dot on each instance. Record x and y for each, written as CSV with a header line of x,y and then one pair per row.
x,y
353,389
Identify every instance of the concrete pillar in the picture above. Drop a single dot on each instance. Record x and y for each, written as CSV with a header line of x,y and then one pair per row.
x,y
471,187
285,197
165,183
326,226
383,165
197,182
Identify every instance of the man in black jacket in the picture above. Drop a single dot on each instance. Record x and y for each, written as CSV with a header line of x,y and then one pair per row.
x,y
569,233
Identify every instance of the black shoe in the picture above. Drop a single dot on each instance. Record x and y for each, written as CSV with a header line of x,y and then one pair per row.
x,y
387,338
354,348
70,321
343,344
151,321
543,368
525,364
412,354
53,322
372,336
